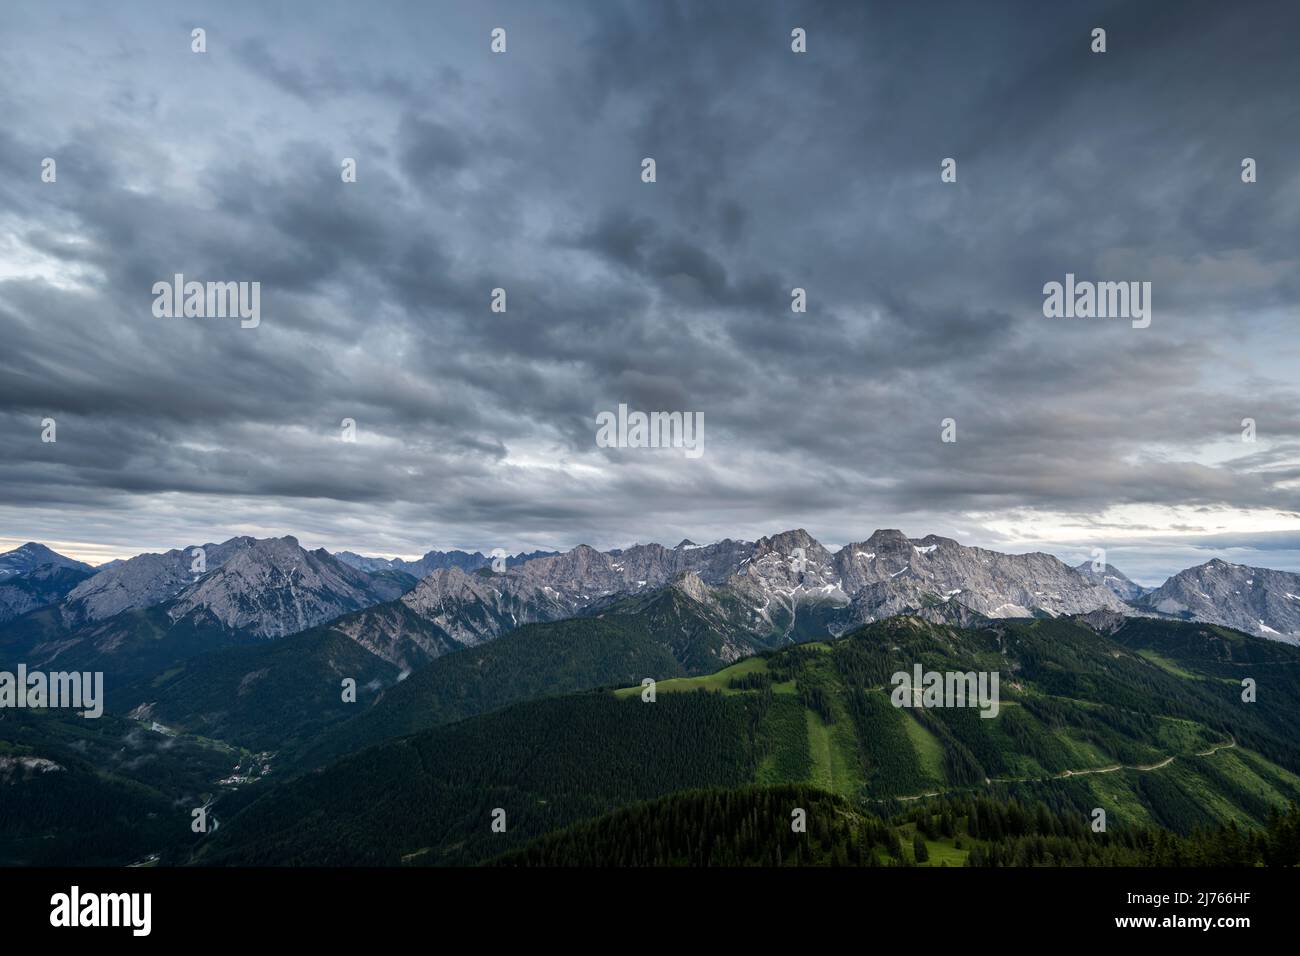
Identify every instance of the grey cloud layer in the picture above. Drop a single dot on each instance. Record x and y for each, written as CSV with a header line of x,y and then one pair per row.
x,y
522,171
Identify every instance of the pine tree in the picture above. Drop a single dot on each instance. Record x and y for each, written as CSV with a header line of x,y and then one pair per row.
x,y
920,852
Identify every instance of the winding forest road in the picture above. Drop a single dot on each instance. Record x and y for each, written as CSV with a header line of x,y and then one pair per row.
x,y
1143,768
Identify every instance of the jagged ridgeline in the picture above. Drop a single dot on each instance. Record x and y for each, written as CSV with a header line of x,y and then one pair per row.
x,y
1143,719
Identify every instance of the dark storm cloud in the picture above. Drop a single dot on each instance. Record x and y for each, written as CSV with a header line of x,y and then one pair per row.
x,y
523,172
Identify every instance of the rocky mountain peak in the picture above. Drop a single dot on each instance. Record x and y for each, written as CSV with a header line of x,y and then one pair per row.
x,y
786,541
584,565
1112,578
274,587
472,608
690,584
284,553
437,582
285,545
33,576
32,555
935,541
887,537
1259,601
143,581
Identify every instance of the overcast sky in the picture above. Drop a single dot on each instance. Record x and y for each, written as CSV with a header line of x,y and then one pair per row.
x,y
522,170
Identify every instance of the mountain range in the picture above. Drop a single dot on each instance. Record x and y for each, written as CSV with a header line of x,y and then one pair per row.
x,y
779,589
435,561
228,667
212,648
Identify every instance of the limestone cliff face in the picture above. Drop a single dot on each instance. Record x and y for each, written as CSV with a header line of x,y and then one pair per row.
x,y
274,587
142,581
1258,601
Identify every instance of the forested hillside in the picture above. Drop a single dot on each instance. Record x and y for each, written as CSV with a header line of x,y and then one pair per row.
x,y
429,798
755,827
276,695
99,792
661,636
1086,722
